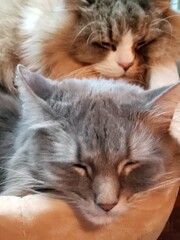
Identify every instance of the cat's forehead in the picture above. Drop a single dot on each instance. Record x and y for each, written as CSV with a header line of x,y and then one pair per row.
x,y
113,19
118,135
119,92
106,119
122,5
127,12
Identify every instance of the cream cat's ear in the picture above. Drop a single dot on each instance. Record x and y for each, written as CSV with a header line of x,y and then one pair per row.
x,y
163,5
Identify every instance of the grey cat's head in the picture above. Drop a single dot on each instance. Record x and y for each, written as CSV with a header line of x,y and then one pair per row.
x,y
117,37
96,144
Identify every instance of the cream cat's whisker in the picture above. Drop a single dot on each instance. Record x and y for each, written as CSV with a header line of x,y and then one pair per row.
x,y
156,21
170,26
59,9
140,79
89,37
102,67
79,74
171,16
87,25
86,69
167,32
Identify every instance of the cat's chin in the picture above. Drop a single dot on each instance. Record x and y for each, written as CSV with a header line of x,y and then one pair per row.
x,y
102,219
97,216
99,220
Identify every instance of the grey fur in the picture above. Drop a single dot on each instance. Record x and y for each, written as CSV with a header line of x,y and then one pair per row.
x,y
69,138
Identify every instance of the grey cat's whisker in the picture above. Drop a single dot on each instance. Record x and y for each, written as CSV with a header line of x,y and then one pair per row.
x,y
25,176
11,170
31,180
22,188
160,186
15,179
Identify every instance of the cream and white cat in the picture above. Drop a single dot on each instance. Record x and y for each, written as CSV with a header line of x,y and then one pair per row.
x,y
134,39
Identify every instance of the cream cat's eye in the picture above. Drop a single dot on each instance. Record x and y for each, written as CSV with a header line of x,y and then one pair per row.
x,y
105,45
140,44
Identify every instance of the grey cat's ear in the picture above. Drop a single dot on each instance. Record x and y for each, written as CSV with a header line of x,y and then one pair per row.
x,y
167,99
30,83
166,103
34,91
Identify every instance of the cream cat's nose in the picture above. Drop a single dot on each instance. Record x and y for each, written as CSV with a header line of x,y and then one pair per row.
x,y
125,65
107,207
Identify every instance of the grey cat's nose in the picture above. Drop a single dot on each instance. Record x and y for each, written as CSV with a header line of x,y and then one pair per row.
x,y
107,207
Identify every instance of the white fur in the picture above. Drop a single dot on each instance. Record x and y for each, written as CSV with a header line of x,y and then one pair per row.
x,y
30,20
163,75
40,19
175,124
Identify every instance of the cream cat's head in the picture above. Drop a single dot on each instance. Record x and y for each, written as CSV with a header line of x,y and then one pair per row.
x,y
99,145
112,38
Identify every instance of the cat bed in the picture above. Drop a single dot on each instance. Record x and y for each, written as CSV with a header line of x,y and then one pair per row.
x,y
35,217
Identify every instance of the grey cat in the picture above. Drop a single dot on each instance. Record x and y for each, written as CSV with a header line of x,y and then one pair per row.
x,y
97,144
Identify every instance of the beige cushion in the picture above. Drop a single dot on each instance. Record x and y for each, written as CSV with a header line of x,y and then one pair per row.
x,y
37,218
